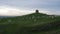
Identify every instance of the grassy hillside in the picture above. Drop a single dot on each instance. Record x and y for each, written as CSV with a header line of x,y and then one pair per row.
x,y
35,23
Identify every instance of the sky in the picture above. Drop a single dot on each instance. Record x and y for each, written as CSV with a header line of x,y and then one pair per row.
x,y
23,7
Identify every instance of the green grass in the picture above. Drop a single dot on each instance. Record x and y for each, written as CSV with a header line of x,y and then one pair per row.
x,y
36,23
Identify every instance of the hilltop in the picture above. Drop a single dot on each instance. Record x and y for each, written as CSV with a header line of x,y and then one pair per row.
x,y
35,23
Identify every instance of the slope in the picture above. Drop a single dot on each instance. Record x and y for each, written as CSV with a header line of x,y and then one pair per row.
x,y
28,24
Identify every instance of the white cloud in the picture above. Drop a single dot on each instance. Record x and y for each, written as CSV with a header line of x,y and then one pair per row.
x,y
13,11
9,11
47,6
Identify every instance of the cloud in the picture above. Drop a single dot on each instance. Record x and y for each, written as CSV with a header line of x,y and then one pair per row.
x,y
45,6
9,11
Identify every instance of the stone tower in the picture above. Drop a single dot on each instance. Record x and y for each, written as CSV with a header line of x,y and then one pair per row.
x,y
37,11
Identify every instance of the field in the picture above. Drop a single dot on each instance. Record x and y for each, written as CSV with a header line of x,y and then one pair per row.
x,y
35,23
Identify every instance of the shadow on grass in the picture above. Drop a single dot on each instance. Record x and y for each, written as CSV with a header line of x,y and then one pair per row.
x,y
14,29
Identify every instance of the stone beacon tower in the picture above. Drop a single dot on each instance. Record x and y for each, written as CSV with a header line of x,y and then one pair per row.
x,y
37,11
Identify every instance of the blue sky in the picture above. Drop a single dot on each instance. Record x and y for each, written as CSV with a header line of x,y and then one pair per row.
x,y
22,7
